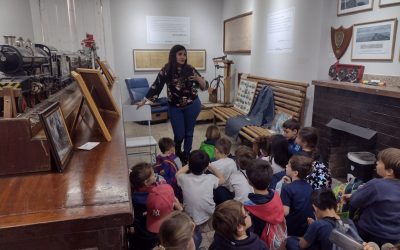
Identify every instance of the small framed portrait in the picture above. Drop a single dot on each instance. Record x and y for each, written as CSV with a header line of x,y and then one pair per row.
x,y
352,6
57,134
384,3
374,40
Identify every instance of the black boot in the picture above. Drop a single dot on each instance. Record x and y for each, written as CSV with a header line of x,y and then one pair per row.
x,y
185,158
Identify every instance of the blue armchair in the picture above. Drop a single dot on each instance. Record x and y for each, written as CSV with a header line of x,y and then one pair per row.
x,y
137,89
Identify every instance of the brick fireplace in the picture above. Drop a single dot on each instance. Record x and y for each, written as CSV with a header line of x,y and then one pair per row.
x,y
375,108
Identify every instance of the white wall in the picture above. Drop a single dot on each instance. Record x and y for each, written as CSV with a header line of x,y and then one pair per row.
x,y
128,20
332,20
15,19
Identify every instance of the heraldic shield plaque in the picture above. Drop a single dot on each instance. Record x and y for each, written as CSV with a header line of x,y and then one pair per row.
x,y
340,39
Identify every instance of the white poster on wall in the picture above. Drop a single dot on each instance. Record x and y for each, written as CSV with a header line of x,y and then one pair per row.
x,y
168,30
280,31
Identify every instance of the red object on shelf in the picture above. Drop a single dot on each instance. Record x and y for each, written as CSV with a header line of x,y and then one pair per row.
x,y
89,41
346,72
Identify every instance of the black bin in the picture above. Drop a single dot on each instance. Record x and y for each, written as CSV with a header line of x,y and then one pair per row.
x,y
362,165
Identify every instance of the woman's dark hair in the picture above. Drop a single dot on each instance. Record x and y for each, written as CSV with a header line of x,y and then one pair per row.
x,y
324,199
171,66
309,135
278,150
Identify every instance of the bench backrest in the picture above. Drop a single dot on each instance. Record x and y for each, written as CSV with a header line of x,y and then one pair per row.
x,y
289,96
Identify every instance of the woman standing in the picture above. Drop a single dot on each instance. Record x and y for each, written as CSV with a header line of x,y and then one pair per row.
x,y
183,82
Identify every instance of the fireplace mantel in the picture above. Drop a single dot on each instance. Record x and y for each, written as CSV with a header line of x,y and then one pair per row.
x,y
361,88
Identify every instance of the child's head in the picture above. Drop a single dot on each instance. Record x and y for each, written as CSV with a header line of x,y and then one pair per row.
x,y
259,174
176,232
307,138
222,148
213,133
278,149
323,200
166,145
231,220
388,164
290,128
299,166
243,157
198,162
142,174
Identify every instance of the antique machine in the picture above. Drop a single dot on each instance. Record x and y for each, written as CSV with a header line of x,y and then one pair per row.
x,y
34,71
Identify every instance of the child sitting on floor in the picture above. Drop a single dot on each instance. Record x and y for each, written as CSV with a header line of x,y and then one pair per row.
x,y
176,232
227,167
290,129
379,201
296,195
230,222
208,146
277,153
320,177
240,185
167,164
319,230
198,187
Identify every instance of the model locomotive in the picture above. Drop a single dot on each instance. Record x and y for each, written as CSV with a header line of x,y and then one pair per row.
x,y
37,70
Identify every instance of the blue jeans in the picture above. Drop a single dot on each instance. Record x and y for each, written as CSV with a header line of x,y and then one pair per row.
x,y
183,121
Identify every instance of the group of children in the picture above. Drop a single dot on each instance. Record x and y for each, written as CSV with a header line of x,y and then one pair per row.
x,y
277,200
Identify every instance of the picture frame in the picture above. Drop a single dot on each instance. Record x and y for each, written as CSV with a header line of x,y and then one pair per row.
x,y
353,6
385,3
245,95
57,134
374,40
155,59
99,90
107,71
91,105
237,34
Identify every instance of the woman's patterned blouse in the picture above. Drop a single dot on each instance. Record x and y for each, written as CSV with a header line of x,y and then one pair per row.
x,y
180,90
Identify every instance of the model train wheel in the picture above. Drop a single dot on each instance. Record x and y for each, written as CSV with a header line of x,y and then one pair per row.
x,y
22,104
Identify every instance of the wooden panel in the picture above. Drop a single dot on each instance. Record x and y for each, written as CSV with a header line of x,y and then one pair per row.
x,y
92,194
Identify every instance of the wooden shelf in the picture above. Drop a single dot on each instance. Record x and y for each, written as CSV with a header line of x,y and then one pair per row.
x,y
361,88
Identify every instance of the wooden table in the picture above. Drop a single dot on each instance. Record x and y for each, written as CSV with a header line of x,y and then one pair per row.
x,y
86,206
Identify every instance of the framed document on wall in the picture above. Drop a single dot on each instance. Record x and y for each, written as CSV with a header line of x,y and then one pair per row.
x,y
155,59
374,40
237,34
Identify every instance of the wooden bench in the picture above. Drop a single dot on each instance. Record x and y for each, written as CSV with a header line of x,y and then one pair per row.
x,y
289,97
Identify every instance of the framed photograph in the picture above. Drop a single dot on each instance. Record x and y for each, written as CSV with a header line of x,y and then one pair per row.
x,y
57,134
107,71
384,3
155,59
99,91
91,105
352,6
374,40
237,34
245,95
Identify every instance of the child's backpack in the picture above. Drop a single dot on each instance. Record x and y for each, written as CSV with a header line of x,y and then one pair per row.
x,y
167,169
344,234
345,188
275,236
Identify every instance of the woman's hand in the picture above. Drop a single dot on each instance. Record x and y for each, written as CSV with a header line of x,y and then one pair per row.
x,y
140,104
198,79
